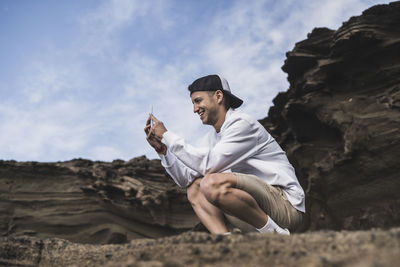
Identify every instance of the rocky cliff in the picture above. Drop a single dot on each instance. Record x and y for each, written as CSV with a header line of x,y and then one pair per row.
x,y
340,120
91,202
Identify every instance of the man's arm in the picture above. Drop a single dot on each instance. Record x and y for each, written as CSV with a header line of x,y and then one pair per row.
x,y
180,173
238,143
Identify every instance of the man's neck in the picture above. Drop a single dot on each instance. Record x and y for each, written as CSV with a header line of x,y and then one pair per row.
x,y
221,120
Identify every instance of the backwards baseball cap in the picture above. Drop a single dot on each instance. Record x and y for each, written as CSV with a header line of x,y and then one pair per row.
x,y
214,83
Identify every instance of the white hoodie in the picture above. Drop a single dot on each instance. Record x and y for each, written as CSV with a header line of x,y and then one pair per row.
x,y
242,145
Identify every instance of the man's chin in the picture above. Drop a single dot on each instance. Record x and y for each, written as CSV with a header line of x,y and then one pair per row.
x,y
203,121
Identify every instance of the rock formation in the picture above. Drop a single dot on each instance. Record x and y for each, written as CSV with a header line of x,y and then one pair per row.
x,y
339,122
91,202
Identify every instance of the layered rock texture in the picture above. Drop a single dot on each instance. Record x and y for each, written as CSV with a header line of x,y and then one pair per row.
x,y
91,202
339,123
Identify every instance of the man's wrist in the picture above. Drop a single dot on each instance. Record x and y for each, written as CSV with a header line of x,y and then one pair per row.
x,y
162,150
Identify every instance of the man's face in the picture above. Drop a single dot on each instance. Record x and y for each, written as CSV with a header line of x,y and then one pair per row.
x,y
205,104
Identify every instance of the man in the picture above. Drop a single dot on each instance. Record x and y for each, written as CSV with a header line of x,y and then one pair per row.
x,y
240,175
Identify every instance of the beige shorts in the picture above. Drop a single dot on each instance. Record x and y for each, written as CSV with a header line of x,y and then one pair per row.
x,y
271,199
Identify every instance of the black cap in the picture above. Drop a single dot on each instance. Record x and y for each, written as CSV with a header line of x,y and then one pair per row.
x,y
214,83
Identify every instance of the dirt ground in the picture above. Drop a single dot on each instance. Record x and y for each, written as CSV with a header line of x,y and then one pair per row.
x,y
324,248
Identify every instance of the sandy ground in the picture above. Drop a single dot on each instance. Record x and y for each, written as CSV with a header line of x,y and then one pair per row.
x,y
326,248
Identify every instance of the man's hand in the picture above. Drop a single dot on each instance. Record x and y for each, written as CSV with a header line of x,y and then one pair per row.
x,y
153,139
158,128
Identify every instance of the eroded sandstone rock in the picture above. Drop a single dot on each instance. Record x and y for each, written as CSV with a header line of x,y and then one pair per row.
x,y
91,202
339,121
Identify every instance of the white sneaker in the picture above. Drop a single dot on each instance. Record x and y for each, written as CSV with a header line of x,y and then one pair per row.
x,y
282,231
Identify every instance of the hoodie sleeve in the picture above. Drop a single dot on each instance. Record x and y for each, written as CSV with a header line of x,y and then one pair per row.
x,y
238,142
182,175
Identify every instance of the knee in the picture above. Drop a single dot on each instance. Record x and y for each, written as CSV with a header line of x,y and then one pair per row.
x,y
193,191
213,188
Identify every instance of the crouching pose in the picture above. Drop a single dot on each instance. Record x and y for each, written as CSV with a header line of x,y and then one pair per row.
x,y
241,176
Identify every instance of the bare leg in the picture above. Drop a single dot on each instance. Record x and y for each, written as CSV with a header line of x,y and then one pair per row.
x,y
219,189
209,215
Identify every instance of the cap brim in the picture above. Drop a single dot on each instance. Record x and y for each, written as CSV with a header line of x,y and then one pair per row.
x,y
235,101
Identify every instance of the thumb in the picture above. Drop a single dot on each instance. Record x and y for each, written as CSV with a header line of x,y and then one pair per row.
x,y
154,118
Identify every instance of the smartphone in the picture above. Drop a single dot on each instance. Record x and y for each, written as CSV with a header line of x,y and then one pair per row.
x,y
151,120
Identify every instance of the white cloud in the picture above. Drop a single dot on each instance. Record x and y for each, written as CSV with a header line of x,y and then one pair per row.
x,y
45,80
101,27
43,132
107,153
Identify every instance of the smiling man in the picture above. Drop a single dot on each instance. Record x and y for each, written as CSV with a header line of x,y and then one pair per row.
x,y
241,175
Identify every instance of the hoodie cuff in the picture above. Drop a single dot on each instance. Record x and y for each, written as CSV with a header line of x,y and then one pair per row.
x,y
167,160
169,138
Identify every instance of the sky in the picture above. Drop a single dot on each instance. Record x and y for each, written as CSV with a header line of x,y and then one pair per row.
x,y
78,78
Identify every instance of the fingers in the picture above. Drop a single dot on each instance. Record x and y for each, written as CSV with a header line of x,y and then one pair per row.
x,y
148,125
149,134
151,131
153,141
148,122
154,118
147,128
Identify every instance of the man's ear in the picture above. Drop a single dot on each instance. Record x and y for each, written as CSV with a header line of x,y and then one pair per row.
x,y
220,96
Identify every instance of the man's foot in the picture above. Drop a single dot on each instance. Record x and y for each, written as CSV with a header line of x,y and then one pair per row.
x,y
272,227
282,231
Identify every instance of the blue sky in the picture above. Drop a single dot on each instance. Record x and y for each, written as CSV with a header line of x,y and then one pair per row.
x,y
78,78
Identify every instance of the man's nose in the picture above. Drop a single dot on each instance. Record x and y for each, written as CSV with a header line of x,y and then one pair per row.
x,y
195,108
